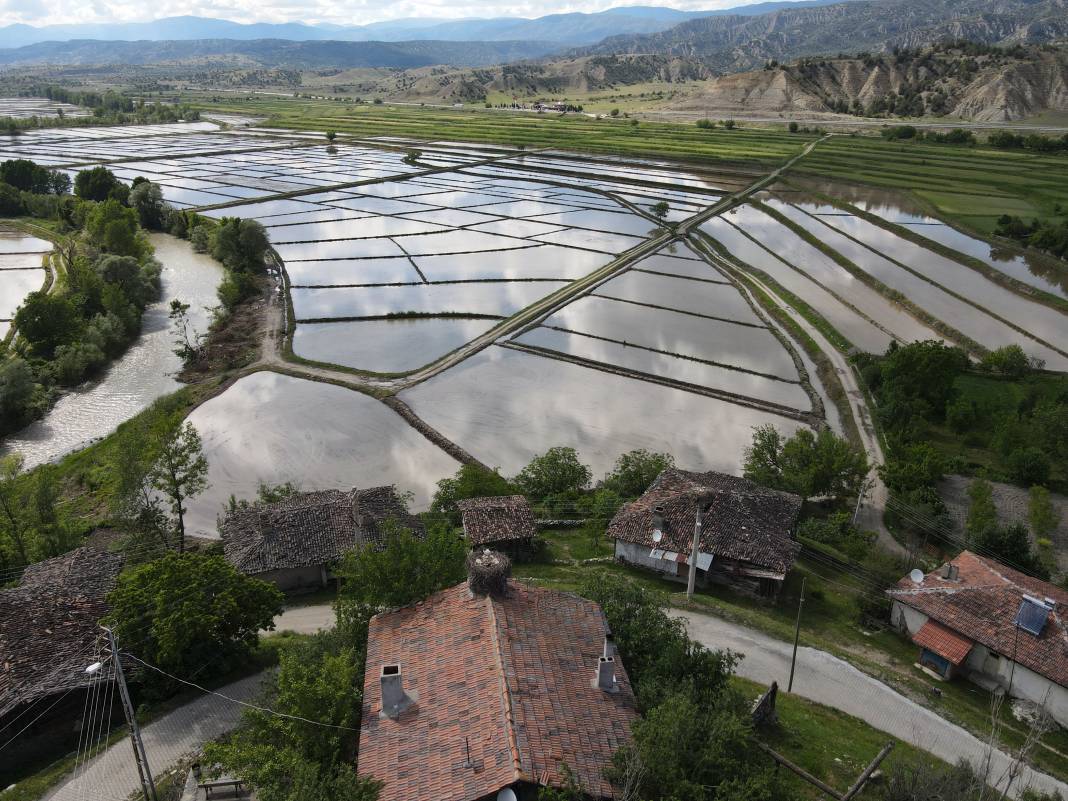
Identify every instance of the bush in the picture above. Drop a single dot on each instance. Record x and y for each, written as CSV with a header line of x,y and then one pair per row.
x,y
839,533
706,124
234,288
10,200
1009,361
1030,466
99,184
74,362
17,390
793,127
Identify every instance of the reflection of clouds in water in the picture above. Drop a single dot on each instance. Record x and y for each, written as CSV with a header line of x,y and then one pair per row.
x,y
505,406
274,428
498,298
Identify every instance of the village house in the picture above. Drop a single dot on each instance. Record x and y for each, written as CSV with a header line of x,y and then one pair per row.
x,y
475,697
49,633
294,543
505,523
998,627
746,531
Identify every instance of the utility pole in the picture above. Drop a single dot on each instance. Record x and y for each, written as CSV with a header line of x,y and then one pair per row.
x,y
147,784
797,635
695,548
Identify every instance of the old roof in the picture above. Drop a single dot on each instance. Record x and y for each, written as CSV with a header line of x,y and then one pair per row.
x,y
745,522
510,678
945,642
981,604
48,624
310,528
501,519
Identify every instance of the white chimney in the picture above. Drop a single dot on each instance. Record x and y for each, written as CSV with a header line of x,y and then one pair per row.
x,y
394,699
606,674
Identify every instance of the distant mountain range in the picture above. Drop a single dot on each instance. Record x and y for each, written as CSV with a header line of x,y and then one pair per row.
x,y
733,42
566,29
258,53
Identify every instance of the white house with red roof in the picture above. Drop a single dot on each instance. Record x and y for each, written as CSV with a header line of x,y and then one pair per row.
x,y
999,627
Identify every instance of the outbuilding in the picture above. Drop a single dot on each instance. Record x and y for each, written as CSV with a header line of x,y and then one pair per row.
x,y
505,522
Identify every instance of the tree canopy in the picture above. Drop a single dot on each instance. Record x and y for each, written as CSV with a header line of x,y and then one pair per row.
x,y
99,183
808,464
635,470
557,472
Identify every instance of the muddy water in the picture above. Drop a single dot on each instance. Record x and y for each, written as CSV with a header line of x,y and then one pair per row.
x,y
142,374
505,407
273,428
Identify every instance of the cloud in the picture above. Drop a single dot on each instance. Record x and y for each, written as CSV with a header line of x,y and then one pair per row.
x,y
341,12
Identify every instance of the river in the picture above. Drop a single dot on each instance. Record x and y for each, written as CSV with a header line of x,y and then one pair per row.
x,y
142,374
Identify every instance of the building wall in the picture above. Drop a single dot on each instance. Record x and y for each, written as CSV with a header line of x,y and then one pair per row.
x,y
982,662
295,578
639,555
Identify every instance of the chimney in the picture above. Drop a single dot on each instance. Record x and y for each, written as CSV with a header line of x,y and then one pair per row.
x,y
950,572
488,572
394,699
658,518
606,674
609,644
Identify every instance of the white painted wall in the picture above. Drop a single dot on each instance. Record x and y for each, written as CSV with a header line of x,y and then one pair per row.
x,y
639,555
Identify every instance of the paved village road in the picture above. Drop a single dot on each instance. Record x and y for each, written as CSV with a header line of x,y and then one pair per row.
x,y
112,776
830,681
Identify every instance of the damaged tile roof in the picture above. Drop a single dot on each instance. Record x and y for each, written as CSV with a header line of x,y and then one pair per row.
x,y
49,624
981,604
943,641
745,522
509,678
310,528
499,519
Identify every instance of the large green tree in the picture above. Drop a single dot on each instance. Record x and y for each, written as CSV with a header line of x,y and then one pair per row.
x,y
146,198
240,244
99,183
635,470
113,227
180,471
47,320
809,464
557,472
191,614
470,481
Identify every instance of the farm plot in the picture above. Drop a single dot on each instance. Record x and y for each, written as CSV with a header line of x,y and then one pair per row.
x,y
927,281
861,315
274,428
1026,268
21,271
506,406
25,107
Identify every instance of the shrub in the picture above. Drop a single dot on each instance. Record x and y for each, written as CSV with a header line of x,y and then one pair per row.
x,y
99,183
75,361
1030,466
10,200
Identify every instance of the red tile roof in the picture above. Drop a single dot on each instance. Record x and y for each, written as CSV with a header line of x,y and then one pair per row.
x,y
499,519
981,604
510,678
745,522
946,643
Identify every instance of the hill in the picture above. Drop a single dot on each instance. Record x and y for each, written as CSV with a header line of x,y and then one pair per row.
x,y
735,43
570,29
274,53
970,82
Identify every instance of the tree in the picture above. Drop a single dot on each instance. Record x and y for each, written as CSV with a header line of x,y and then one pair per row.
x,y
10,200
113,227
1009,544
98,183
240,244
146,198
919,378
793,127
982,513
137,285
1041,514
635,470
191,614
406,569
180,471
808,464
188,344
12,505
660,209
558,471
47,321
331,136
1030,465
470,481
17,391
1009,361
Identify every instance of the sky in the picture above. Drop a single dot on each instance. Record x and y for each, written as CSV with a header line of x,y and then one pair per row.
x,y
344,12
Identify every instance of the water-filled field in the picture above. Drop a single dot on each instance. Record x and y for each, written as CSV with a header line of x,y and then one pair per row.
x,y
21,271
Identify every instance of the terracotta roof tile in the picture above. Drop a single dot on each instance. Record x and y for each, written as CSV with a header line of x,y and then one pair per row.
x,y
981,604
946,643
499,519
509,678
745,522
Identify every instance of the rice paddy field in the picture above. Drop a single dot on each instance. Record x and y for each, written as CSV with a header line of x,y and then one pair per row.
x,y
22,271
520,298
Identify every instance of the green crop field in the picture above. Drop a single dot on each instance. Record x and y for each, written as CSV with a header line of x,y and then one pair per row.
x,y
969,185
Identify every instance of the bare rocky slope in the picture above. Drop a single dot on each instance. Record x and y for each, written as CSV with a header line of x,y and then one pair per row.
x,y
992,86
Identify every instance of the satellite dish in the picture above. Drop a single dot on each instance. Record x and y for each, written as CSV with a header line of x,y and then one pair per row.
x,y
658,535
507,794
916,575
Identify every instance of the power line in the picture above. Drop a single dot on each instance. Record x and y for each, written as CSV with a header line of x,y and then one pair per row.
x,y
28,725
241,703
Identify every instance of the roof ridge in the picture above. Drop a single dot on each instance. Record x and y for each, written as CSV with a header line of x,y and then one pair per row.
x,y
506,695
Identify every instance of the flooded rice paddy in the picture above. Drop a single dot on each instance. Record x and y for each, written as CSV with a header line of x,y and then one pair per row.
x,y
389,268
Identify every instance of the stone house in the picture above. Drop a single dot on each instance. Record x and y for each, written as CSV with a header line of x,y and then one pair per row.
x,y
746,538
467,697
994,625
294,543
